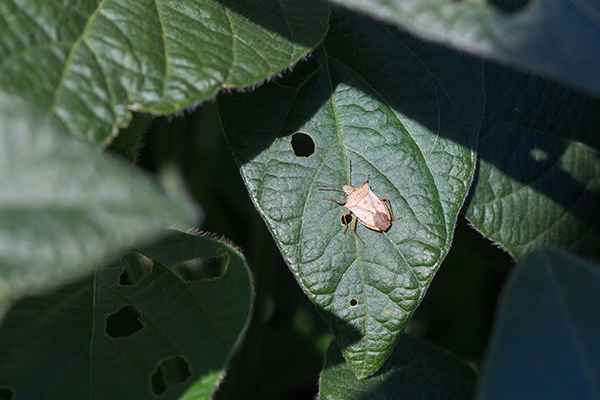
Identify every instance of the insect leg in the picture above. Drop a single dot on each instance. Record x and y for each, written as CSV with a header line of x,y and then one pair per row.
x,y
344,219
386,201
340,202
353,227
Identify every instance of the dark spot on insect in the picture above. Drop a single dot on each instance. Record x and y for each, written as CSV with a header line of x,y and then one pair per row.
x,y
123,323
300,73
202,269
346,219
135,267
353,302
382,221
302,144
7,393
509,6
169,372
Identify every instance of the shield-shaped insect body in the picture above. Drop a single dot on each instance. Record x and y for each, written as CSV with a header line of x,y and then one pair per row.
x,y
372,211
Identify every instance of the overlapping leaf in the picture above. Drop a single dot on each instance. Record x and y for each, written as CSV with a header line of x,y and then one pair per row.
x,y
86,63
78,343
415,370
556,38
545,341
538,183
392,108
65,207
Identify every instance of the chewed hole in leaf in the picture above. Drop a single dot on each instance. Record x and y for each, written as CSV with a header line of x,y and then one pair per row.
x,y
135,267
202,269
123,323
300,73
346,219
6,393
509,6
302,144
353,302
169,372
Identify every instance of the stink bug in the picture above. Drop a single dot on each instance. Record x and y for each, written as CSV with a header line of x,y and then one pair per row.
x,y
372,211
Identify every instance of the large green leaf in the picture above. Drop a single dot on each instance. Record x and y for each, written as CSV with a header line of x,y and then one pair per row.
x,y
545,343
86,62
538,182
555,38
65,207
108,336
393,108
415,370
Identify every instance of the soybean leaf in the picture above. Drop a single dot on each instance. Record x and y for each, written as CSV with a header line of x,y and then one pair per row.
x,y
553,38
110,336
86,63
545,339
392,108
65,207
414,370
538,182
129,141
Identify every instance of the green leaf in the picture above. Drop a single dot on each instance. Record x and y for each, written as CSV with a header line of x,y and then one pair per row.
x,y
538,182
545,339
393,108
415,370
129,141
65,207
100,338
87,63
553,38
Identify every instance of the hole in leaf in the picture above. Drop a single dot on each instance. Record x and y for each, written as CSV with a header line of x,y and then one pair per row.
x,y
302,144
202,269
346,219
169,372
353,302
123,323
7,393
300,73
509,6
135,267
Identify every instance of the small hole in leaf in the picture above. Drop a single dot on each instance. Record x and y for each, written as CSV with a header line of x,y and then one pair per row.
x,y
135,267
353,302
202,269
509,6
170,372
346,219
123,323
6,393
302,144
299,73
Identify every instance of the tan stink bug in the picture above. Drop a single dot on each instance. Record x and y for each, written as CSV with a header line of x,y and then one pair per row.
x,y
366,207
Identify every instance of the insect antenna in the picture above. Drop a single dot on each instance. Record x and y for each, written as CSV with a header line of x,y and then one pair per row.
x,y
329,187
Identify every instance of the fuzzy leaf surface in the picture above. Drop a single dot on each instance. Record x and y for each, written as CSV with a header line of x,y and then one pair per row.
x,y
545,339
538,181
70,343
390,107
86,63
559,39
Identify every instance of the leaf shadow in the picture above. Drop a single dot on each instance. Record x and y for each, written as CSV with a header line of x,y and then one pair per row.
x,y
535,148
346,335
274,16
412,88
